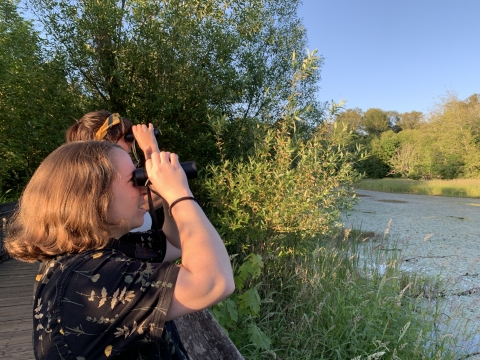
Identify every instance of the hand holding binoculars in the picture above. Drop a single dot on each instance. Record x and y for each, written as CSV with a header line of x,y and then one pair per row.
x,y
140,176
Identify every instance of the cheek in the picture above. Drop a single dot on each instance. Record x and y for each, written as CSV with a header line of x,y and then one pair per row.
x,y
124,145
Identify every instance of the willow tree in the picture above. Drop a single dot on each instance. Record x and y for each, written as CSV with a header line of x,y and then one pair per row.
x,y
35,100
179,63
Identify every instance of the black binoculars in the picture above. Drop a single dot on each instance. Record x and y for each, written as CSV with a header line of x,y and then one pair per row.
x,y
130,137
140,176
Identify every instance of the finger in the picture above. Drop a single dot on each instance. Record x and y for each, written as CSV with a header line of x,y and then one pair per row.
x,y
153,159
165,156
174,158
148,153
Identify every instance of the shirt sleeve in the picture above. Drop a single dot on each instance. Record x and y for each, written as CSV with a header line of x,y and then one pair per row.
x,y
111,303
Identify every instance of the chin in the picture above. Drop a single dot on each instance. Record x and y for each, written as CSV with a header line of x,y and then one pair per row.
x,y
139,224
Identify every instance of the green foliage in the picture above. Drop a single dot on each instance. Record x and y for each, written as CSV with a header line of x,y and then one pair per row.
x,y
179,63
444,144
380,150
409,120
35,101
375,121
244,304
294,181
455,188
352,118
346,299
252,266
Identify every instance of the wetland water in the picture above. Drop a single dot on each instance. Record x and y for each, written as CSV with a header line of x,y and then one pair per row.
x,y
438,236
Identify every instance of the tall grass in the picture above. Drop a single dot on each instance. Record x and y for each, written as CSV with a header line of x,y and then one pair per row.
x,y
347,300
469,188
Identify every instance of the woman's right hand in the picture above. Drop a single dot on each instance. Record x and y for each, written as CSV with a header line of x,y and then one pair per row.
x,y
205,276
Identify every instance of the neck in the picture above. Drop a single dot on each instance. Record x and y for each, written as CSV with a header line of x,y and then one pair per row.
x,y
118,233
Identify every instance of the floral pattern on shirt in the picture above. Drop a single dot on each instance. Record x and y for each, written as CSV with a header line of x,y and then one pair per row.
x,y
102,304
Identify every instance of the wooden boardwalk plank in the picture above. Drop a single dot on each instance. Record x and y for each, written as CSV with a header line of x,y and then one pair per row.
x,y
16,306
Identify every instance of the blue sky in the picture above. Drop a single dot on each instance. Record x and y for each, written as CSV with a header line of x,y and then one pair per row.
x,y
395,54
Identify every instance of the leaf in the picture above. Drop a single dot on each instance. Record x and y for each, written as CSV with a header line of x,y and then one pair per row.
x,y
250,301
122,295
231,309
108,350
253,266
258,337
104,297
129,296
118,333
114,298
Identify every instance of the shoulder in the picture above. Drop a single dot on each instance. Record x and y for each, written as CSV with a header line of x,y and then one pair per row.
x,y
110,267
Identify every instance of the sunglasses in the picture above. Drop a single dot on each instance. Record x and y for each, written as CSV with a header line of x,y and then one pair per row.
x,y
129,138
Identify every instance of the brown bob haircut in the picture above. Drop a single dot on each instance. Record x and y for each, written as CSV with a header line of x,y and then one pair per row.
x,y
90,123
64,207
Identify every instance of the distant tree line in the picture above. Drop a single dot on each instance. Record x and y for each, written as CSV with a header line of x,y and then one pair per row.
x,y
443,144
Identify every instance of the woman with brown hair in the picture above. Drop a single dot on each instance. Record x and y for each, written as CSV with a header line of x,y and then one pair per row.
x,y
103,125
92,301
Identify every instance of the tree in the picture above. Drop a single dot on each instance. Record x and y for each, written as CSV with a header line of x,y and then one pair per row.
x,y
179,64
35,101
404,160
375,121
352,118
410,120
456,126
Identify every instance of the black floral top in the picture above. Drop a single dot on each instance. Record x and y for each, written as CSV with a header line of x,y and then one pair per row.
x,y
102,304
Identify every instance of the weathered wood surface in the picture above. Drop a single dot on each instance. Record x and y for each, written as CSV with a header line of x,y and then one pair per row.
x,y
16,302
202,335
205,339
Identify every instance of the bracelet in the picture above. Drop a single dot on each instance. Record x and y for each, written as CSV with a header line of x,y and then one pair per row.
x,y
177,201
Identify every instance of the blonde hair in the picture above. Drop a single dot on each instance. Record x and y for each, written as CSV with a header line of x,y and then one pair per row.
x,y
90,123
64,207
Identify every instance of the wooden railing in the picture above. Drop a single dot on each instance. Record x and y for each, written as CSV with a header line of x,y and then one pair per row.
x,y
6,210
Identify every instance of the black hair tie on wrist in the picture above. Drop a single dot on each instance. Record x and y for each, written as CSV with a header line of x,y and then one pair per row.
x,y
177,201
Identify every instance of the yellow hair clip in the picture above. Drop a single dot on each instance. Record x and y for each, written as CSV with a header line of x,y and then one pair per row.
x,y
113,119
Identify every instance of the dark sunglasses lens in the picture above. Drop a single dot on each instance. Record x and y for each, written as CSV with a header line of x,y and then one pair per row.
x,y
129,137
